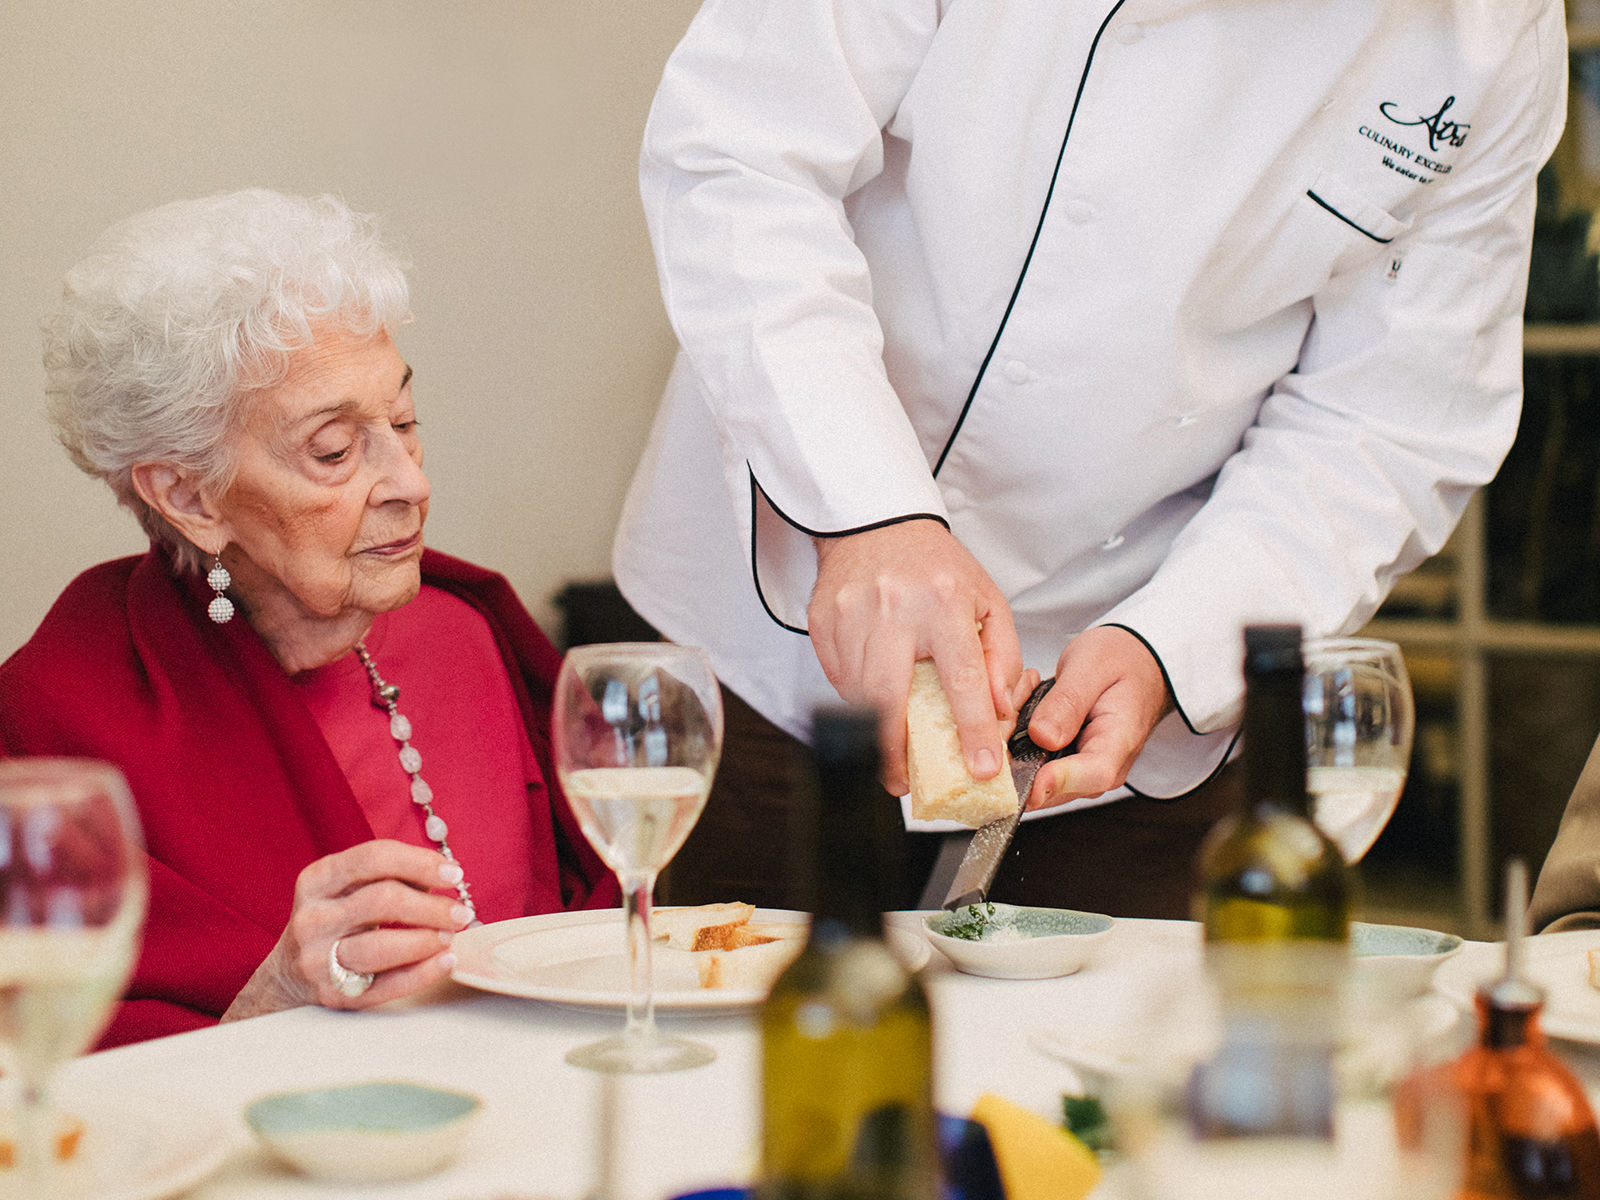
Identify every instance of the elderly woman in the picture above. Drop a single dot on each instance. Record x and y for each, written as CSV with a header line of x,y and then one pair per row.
x,y
338,740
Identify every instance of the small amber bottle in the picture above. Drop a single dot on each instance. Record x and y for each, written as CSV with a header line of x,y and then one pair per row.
x,y
1530,1133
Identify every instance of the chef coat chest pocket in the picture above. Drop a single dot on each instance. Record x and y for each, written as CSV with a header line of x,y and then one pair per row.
x,y
1282,247
1335,195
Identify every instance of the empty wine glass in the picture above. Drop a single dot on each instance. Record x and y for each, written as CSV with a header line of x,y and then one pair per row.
x,y
72,900
1360,719
637,731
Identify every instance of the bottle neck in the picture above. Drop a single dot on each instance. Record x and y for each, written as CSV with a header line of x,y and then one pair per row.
x,y
854,848
1274,732
848,895
1508,1016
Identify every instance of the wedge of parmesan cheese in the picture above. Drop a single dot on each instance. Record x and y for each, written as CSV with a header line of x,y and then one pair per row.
x,y
1594,968
941,788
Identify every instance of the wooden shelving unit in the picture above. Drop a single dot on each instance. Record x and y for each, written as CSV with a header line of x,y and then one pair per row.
x,y
1540,340
1470,637
1583,36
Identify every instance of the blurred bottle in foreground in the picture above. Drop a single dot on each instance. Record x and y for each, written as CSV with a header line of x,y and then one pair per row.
x,y
846,1037
1275,898
1530,1131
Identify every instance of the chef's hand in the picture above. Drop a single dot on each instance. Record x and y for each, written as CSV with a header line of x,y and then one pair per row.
x,y
890,596
1109,694
377,901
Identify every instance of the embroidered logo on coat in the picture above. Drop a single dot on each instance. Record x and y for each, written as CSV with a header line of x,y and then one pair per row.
x,y
1407,160
1441,131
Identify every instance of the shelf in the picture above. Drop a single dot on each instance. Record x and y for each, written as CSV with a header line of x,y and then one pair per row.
x,y
1550,340
1492,637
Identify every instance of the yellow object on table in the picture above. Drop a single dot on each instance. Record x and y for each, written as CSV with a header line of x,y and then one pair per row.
x,y
1038,1159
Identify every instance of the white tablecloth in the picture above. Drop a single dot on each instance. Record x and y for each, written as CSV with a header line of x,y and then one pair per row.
x,y
540,1133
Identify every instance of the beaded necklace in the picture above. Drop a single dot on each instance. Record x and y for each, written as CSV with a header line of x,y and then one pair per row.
x,y
385,696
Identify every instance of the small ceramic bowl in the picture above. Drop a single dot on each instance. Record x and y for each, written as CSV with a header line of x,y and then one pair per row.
x,y
1021,943
1398,960
387,1129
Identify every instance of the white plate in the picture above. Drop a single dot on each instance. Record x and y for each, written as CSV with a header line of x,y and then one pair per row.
x,y
1557,962
580,958
137,1147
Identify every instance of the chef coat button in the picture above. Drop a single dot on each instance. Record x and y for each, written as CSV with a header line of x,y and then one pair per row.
x,y
1079,211
1112,542
1185,419
955,499
1017,371
1129,34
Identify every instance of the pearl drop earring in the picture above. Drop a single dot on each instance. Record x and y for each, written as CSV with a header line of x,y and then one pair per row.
x,y
220,609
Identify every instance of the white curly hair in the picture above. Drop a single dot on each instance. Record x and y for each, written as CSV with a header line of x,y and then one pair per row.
x,y
179,311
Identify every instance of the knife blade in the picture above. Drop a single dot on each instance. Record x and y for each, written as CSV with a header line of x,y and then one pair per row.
x,y
967,863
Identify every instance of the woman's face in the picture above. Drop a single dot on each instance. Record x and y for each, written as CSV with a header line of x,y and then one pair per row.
x,y
324,517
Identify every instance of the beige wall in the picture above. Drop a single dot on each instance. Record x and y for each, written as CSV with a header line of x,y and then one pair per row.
x,y
499,142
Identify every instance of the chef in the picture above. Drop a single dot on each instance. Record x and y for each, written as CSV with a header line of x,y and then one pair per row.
x,y
1066,339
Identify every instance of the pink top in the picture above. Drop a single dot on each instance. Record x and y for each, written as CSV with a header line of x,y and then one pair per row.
x,y
475,755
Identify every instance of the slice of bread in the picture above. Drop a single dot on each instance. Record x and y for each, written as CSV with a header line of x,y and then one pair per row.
x,y
739,936
752,968
941,788
710,971
702,927
68,1133
730,950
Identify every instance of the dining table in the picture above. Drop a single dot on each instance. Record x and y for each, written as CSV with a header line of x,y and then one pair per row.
x,y
166,1117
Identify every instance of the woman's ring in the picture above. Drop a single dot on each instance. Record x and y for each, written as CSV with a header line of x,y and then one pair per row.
x,y
350,983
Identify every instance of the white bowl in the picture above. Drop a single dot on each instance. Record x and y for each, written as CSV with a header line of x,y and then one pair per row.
x,y
1397,961
386,1129
1019,942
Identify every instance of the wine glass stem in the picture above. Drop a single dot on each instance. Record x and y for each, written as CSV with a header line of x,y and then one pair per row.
x,y
638,891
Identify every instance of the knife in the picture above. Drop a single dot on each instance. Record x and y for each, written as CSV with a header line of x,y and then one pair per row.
x,y
967,863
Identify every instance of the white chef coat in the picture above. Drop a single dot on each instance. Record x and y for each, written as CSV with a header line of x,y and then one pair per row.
x,y
1181,313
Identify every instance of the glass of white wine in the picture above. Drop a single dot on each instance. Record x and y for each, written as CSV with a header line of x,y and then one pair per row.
x,y
637,731
1360,720
72,900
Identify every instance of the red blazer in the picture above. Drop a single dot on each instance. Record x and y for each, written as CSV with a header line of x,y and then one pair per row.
x,y
236,788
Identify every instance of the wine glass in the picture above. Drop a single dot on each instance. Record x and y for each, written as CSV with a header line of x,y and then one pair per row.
x,y
72,900
637,732
1144,1073
1360,718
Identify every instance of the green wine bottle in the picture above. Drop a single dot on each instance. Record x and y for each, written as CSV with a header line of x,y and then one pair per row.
x,y
846,1038
1275,899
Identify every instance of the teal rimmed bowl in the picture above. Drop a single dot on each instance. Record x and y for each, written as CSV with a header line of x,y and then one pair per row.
x,y
1398,960
385,1129
1018,942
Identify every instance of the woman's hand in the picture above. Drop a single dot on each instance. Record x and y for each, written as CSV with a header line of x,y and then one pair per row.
x,y
377,901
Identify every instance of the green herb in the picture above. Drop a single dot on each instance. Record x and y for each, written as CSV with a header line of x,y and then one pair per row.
x,y
1085,1118
971,929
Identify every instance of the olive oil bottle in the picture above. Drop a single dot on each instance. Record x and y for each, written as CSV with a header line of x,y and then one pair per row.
x,y
1275,903
845,1033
